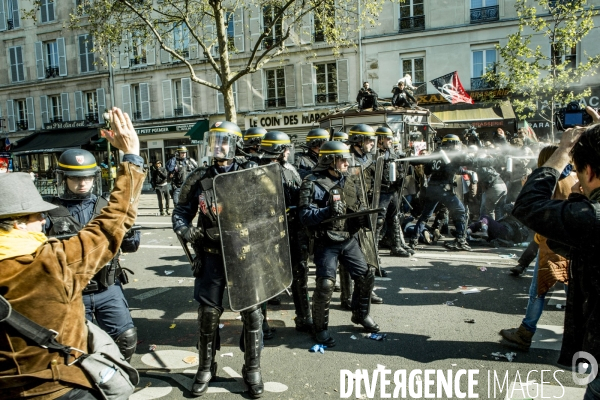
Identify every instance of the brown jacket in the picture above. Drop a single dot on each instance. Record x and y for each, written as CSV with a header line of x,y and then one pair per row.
x,y
47,286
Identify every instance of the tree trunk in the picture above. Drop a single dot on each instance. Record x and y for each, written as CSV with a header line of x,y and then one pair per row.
x,y
229,103
225,67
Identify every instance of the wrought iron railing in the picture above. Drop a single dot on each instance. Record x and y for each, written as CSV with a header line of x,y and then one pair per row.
x,y
480,83
52,72
326,98
412,23
22,125
91,117
275,102
178,111
137,60
484,14
137,115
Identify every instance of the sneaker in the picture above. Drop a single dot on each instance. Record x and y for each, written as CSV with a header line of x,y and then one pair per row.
x,y
427,237
167,213
458,245
436,236
162,213
413,243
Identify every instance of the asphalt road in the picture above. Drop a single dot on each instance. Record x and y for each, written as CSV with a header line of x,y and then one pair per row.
x,y
424,331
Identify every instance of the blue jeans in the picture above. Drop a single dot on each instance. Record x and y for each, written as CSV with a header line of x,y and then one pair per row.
x,y
593,390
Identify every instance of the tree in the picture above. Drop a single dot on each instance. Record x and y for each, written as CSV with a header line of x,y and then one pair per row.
x,y
542,80
205,22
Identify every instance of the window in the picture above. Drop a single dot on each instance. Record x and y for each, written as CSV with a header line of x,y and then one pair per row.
x,y
562,55
412,16
51,49
47,9
86,54
275,88
12,20
90,106
136,102
483,61
326,77
181,40
21,114
230,31
327,9
138,50
55,109
484,10
274,37
415,67
17,72
177,98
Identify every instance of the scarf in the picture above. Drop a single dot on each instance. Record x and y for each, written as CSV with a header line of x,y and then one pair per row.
x,y
19,242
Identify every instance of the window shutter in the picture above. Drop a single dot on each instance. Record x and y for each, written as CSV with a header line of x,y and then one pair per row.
x,y
342,81
290,86
145,100
39,59
79,114
167,98
82,53
62,56
2,17
101,104
165,57
307,28
10,114
43,9
151,53
20,70
307,76
64,101
238,29
210,38
126,95
241,94
193,51
186,94
44,109
16,17
258,100
51,10
220,99
30,114
12,54
293,38
341,15
124,52
255,26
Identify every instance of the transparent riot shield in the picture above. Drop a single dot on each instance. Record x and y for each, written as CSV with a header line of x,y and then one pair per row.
x,y
254,235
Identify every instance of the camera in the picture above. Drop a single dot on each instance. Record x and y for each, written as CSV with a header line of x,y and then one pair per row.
x,y
572,115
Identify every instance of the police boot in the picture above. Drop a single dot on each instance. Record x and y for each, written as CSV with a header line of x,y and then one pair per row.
x,y
127,342
346,288
321,300
267,330
401,237
303,318
208,319
361,302
375,299
519,337
252,320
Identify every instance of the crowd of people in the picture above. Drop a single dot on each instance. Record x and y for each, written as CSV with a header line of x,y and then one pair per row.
x,y
344,197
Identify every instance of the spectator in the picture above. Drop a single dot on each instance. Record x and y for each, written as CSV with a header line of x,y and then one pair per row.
x,y
366,98
159,184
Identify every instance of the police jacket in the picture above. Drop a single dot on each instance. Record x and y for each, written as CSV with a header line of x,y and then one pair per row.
x,y
572,228
198,195
305,162
389,158
53,279
442,173
486,171
159,177
179,169
367,163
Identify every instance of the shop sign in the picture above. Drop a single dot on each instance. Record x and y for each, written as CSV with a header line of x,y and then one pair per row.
x,y
69,124
271,121
152,130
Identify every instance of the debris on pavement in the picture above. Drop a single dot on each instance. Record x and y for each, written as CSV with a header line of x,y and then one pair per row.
x,y
221,326
353,337
559,306
190,360
470,291
318,348
168,272
449,303
509,356
377,278
470,321
227,355
507,255
152,347
172,326
377,336
482,269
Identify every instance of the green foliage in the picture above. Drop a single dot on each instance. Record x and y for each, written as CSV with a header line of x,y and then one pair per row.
x,y
541,77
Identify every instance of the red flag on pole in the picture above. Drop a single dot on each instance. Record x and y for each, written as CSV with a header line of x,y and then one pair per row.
x,y
451,89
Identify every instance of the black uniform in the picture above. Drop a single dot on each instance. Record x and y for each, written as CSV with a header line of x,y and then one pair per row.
x,y
179,169
305,162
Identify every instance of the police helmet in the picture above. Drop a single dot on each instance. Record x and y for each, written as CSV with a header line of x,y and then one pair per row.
x,y
316,137
451,141
360,133
274,144
181,149
80,165
222,140
253,136
331,151
340,136
384,131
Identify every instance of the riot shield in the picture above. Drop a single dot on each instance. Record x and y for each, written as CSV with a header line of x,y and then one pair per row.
x,y
366,236
254,234
377,187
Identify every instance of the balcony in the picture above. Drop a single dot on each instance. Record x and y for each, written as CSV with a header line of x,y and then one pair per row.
x,y
275,102
22,125
480,84
137,115
92,118
9,24
412,24
484,14
178,112
52,72
137,61
326,98
56,119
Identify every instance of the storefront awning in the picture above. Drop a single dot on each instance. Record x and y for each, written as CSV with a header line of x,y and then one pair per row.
x,y
197,131
467,113
54,141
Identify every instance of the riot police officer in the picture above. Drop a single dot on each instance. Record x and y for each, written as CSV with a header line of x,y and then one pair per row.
x,y
440,189
388,198
276,147
252,139
198,197
306,161
179,167
79,188
340,137
327,193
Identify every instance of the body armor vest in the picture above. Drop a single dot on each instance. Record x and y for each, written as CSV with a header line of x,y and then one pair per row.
x,y
182,170
368,167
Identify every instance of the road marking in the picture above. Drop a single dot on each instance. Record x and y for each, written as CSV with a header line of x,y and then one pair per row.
x,y
154,246
151,293
142,223
558,296
548,337
447,256
168,359
152,389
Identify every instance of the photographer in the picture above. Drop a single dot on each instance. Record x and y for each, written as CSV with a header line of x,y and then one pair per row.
x,y
572,227
43,279
366,98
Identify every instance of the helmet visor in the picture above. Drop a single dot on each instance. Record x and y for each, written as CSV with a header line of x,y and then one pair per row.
x,y
78,187
220,145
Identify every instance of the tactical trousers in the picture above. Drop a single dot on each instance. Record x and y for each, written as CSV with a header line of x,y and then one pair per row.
x,y
163,192
493,200
347,253
176,192
110,310
210,285
436,194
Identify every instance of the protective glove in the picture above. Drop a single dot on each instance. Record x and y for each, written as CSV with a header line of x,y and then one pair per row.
x,y
197,266
364,221
338,208
191,234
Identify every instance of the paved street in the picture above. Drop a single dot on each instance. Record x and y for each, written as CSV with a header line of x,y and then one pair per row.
x,y
425,317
